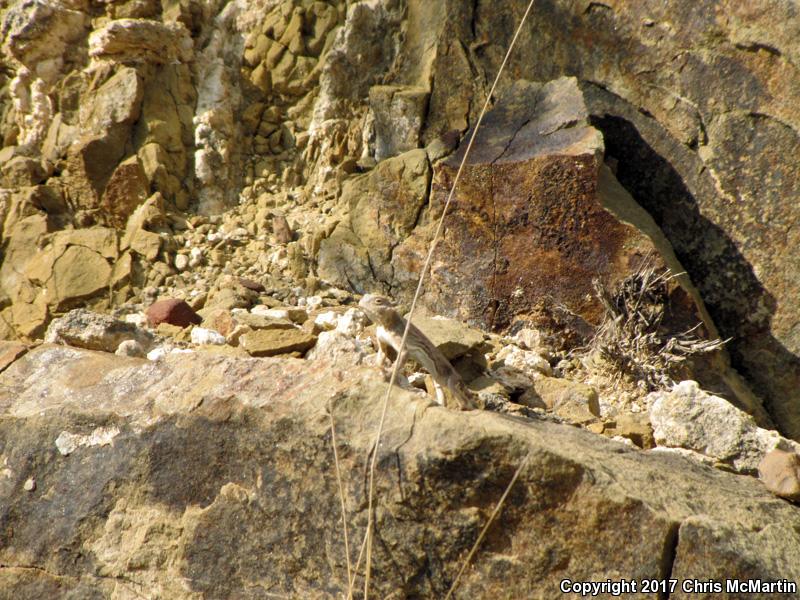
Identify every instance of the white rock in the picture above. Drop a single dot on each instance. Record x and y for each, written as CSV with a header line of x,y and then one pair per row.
x,y
29,485
327,320
338,348
138,319
352,322
67,442
195,257
313,302
688,417
181,262
157,353
528,362
532,339
130,348
201,335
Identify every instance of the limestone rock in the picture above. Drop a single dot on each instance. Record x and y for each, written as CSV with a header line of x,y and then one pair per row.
x,y
135,40
688,417
271,342
266,488
780,472
83,328
452,337
172,311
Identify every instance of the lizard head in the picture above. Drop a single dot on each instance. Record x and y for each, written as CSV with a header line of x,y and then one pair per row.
x,y
375,306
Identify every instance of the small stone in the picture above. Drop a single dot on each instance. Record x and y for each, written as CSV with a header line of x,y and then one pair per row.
x,y
570,400
172,311
298,315
130,348
201,335
635,427
281,230
780,473
181,262
271,342
29,485
251,285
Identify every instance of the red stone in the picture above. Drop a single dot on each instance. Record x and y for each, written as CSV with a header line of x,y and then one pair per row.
x,y
172,311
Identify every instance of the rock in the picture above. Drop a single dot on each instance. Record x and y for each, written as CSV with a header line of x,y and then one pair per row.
x,y
780,473
106,117
77,274
130,348
261,321
83,328
9,352
452,337
132,432
22,171
172,311
141,40
281,230
633,426
399,113
570,400
271,342
385,205
525,361
688,417
297,315
127,188
201,335
221,320
340,349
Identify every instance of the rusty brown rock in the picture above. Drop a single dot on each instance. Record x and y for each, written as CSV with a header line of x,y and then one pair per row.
x,y
172,311
526,224
127,188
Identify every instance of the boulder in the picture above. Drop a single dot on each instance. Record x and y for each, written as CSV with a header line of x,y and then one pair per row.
x,y
86,329
210,475
688,417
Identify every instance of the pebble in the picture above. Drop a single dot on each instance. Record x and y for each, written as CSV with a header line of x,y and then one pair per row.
x,y
201,335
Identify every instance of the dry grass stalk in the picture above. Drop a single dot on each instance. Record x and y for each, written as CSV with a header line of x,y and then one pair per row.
x,y
632,338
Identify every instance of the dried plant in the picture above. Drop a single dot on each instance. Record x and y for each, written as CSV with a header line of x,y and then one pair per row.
x,y
632,337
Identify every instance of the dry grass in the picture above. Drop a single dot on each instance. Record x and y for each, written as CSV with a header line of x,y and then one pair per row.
x,y
632,339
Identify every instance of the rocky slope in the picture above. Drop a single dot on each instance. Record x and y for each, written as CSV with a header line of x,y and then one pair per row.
x,y
629,200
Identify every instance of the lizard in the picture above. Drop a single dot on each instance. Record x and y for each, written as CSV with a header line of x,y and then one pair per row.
x,y
450,388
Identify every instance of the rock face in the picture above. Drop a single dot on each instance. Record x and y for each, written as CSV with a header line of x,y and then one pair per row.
x,y
208,476
705,134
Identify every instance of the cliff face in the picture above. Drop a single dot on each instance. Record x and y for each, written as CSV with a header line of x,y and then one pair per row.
x,y
271,153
